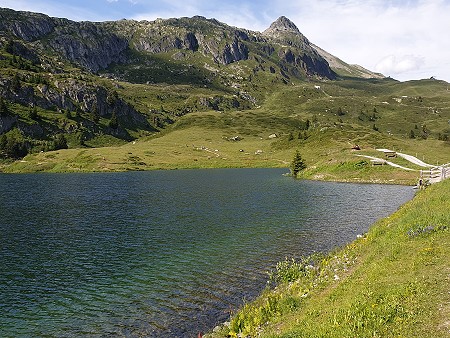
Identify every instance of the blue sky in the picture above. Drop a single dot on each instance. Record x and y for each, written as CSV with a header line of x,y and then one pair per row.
x,y
405,39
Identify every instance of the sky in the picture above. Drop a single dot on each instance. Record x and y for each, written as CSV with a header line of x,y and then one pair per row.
x,y
404,39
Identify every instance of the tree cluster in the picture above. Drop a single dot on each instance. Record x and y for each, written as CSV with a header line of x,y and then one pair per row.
x,y
60,142
13,145
114,122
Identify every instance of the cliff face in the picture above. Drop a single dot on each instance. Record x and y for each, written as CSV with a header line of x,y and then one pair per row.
x,y
7,122
95,46
299,51
208,37
84,43
283,29
68,95
24,25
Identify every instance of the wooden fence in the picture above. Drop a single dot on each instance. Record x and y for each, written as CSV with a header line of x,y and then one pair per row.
x,y
435,174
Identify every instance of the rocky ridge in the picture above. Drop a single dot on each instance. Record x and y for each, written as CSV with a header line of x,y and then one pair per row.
x,y
95,46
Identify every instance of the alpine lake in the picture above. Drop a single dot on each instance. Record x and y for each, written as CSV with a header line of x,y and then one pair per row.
x,y
162,253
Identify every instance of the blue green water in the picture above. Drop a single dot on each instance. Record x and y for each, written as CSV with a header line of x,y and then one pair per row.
x,y
163,253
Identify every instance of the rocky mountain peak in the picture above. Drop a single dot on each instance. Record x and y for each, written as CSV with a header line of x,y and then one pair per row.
x,y
280,27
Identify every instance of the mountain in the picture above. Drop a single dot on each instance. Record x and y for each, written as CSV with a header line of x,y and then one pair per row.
x,y
95,46
344,69
100,83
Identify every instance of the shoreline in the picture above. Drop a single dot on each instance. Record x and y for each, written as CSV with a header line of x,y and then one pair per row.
x,y
314,176
346,263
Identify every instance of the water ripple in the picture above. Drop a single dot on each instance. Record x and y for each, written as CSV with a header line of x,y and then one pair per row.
x,y
161,254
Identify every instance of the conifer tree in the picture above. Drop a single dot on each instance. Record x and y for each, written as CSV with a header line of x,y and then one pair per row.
x,y
297,164
15,83
33,114
114,122
3,107
60,142
3,142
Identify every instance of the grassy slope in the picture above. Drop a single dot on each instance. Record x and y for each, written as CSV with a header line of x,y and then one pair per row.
x,y
201,140
327,148
393,282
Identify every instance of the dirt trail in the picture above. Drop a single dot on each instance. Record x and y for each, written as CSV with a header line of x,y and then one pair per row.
x,y
386,162
410,158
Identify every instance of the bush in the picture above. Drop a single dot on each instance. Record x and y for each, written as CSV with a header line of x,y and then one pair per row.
x,y
287,271
3,107
114,122
60,142
33,114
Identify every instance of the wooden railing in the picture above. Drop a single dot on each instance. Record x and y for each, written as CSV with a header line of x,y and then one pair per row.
x,y
435,174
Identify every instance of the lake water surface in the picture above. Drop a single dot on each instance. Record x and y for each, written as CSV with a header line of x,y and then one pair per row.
x,y
162,253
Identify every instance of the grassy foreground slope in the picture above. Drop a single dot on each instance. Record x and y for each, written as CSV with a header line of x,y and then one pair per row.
x,y
391,282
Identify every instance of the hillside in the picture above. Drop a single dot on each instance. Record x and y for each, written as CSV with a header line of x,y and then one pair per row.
x,y
198,93
246,138
95,87
63,77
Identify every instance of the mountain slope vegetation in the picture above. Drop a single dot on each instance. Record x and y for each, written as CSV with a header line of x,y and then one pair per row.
x,y
198,93
95,87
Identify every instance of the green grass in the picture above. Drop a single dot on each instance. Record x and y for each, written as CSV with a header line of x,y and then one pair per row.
x,y
392,282
202,140
341,114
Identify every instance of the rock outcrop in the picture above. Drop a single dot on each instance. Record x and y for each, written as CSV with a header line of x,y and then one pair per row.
x,y
52,65
7,122
25,25
282,26
87,44
297,50
84,43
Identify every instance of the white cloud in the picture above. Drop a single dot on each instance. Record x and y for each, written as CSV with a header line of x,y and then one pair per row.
x,y
411,33
391,64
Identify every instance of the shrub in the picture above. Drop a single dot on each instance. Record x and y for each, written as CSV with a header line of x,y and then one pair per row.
x,y
33,114
3,107
60,142
114,122
13,145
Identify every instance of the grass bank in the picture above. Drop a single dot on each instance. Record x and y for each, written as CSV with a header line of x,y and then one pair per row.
x,y
237,140
391,282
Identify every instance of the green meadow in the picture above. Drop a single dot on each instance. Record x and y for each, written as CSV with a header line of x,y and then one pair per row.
x,y
323,124
197,113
